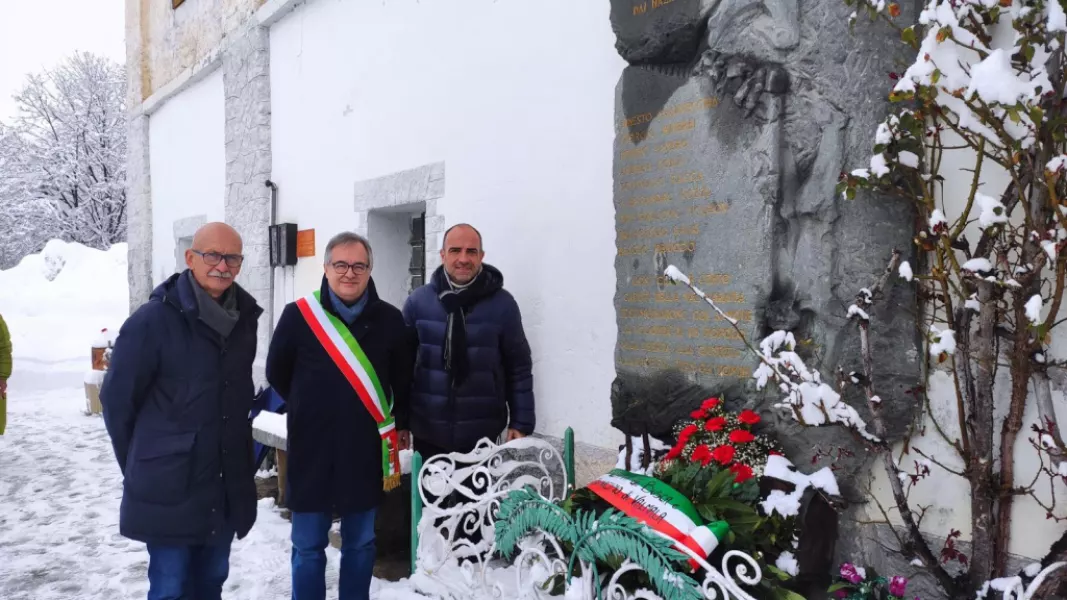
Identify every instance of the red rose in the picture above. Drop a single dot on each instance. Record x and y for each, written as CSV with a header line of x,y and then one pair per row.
x,y
702,455
774,453
715,424
686,433
674,452
740,436
699,414
723,454
742,473
710,403
748,417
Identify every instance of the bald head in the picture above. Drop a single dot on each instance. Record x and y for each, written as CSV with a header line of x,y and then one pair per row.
x,y
216,233
215,257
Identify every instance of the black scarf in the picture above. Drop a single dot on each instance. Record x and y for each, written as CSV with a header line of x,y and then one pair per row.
x,y
457,303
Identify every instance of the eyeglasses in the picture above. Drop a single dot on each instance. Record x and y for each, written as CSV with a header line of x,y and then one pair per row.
x,y
342,267
212,259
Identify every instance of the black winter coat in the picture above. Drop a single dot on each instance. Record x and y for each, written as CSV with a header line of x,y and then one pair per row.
x,y
498,391
334,449
176,399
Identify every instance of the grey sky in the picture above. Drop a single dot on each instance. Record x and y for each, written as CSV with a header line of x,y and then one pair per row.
x,y
35,34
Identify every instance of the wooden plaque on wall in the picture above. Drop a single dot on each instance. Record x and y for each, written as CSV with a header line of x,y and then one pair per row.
x,y
305,243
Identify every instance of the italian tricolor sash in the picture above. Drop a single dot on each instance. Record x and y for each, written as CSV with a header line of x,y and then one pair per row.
x,y
346,353
662,508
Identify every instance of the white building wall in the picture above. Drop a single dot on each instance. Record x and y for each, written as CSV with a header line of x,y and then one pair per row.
x,y
187,165
516,99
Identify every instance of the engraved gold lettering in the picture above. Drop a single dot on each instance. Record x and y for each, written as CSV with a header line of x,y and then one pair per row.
x,y
643,233
646,200
737,315
679,126
699,192
637,120
719,351
714,279
672,145
710,208
638,169
659,215
638,184
640,9
734,371
671,162
637,297
632,250
666,314
682,230
720,333
633,153
684,178
676,247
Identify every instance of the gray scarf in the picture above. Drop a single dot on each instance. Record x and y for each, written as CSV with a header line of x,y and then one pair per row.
x,y
220,315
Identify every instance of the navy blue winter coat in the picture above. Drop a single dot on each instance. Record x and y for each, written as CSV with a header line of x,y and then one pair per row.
x,y
176,400
334,448
498,390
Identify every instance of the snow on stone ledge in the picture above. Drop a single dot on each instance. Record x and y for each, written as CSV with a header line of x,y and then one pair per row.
x,y
270,429
94,378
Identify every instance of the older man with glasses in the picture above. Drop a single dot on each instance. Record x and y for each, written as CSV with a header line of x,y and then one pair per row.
x,y
176,401
342,359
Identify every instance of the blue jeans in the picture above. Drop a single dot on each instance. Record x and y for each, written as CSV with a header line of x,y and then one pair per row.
x,y
188,572
310,537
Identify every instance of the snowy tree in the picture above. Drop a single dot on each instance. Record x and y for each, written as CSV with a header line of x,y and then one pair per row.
x,y
28,222
66,152
986,90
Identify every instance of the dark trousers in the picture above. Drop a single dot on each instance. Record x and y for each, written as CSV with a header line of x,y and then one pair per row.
x,y
188,572
310,537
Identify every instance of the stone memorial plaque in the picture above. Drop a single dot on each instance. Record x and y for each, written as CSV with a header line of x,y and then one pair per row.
x,y
695,185
734,121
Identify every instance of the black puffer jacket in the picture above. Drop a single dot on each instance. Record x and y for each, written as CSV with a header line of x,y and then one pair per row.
x,y
176,399
498,390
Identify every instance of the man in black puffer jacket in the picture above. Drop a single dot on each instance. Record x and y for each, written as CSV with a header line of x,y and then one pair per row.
x,y
473,371
176,399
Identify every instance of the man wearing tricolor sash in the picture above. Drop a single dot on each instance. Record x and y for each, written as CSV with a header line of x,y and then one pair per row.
x,y
342,360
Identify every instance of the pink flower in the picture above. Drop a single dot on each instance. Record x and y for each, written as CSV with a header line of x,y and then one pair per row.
x,y
898,585
850,574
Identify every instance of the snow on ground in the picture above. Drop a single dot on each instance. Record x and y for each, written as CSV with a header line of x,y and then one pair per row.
x,y
59,483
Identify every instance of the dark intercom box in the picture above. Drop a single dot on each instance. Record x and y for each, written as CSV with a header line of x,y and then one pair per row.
x,y
283,245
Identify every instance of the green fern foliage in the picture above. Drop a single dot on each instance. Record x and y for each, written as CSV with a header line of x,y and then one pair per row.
x,y
598,541
523,512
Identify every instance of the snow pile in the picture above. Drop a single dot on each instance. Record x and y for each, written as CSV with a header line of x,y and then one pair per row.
x,y
58,302
811,401
788,505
